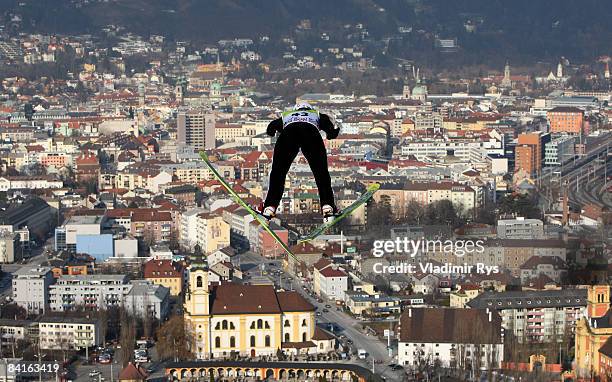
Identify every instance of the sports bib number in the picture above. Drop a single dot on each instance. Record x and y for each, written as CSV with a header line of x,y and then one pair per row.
x,y
308,116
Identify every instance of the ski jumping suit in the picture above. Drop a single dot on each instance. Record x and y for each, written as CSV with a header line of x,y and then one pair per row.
x,y
299,129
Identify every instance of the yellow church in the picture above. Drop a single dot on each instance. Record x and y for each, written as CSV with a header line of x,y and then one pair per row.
x,y
249,320
592,331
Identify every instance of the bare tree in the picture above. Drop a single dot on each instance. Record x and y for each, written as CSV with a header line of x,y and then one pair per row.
x,y
127,338
174,339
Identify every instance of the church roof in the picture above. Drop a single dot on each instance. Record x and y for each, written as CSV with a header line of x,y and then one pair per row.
x,y
255,299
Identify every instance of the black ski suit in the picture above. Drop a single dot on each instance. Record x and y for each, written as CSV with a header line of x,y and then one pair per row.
x,y
292,138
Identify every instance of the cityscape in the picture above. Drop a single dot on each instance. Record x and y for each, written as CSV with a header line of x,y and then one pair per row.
x,y
467,145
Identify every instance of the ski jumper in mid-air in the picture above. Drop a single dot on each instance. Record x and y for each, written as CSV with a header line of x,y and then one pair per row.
x,y
299,129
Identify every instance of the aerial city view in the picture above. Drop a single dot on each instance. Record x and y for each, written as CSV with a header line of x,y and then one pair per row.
x,y
325,191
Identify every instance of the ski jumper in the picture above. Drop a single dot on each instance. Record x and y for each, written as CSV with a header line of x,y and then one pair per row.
x,y
299,129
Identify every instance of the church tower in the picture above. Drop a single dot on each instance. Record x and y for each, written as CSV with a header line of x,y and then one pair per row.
x,y
607,71
506,81
406,90
559,70
598,300
197,299
197,308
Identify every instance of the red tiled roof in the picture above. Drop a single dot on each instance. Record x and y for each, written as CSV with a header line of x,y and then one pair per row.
x,y
331,272
293,302
133,373
161,269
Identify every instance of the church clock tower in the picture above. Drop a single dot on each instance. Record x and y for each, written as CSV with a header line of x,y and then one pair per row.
x,y
197,308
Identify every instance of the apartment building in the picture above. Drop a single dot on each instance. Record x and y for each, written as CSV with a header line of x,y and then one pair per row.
x,y
536,316
196,128
69,333
89,291
212,232
520,228
398,196
31,288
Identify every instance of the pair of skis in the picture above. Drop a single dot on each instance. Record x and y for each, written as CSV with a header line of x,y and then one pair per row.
x,y
264,223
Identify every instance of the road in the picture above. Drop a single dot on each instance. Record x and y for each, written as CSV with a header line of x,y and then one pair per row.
x,y
349,327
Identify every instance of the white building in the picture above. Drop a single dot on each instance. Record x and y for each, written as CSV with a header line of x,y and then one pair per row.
x,y
69,333
458,338
520,228
29,182
31,288
88,291
188,227
535,316
329,280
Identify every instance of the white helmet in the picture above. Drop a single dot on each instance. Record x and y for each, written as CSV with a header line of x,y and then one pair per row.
x,y
302,106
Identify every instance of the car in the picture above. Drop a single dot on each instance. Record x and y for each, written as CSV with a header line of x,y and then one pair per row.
x,y
318,314
325,310
328,306
94,373
396,367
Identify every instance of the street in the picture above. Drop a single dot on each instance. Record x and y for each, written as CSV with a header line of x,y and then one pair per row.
x,y
378,357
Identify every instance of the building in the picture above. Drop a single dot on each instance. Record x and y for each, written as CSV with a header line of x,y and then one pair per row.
x,y
145,299
133,373
165,273
152,226
399,196
605,361
535,316
31,288
559,150
196,128
76,226
33,215
460,298
593,333
212,232
23,182
529,152
455,338
329,280
91,292
12,331
10,249
566,119
69,333
520,228
250,320
362,303
550,266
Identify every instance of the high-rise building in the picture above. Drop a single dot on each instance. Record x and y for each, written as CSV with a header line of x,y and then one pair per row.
x,y
196,128
529,152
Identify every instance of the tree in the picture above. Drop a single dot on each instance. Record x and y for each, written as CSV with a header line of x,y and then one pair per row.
x,y
519,205
172,338
128,338
379,218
